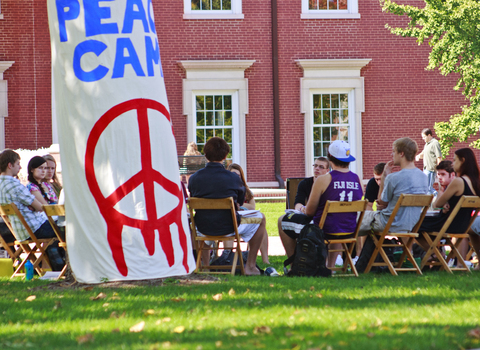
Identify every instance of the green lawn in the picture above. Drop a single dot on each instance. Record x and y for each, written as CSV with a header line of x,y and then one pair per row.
x,y
433,311
272,212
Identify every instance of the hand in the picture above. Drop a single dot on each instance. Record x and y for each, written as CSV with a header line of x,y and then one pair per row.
x,y
303,209
417,157
380,206
388,168
446,208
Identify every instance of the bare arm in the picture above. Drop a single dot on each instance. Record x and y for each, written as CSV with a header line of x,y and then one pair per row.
x,y
250,205
37,205
300,207
321,183
39,197
456,187
388,170
419,156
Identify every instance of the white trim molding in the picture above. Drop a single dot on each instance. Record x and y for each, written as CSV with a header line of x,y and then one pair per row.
x,y
4,65
350,13
218,75
333,75
234,13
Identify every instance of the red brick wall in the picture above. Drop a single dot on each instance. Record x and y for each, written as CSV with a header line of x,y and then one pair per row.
x,y
401,98
25,39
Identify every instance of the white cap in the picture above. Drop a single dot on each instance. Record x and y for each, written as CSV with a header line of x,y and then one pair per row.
x,y
341,151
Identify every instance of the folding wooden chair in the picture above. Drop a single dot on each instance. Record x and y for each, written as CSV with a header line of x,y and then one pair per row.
x,y
57,210
199,240
405,200
292,189
32,246
12,249
347,243
472,202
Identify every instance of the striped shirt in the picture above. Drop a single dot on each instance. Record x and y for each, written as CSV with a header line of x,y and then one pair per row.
x,y
12,191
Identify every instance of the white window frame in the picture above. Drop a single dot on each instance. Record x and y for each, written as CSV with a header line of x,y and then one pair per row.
x,y
336,75
4,65
350,13
1,14
234,13
215,78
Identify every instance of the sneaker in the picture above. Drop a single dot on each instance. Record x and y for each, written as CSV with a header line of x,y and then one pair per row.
x,y
339,261
355,259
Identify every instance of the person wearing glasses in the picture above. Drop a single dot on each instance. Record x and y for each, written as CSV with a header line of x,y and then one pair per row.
x,y
320,167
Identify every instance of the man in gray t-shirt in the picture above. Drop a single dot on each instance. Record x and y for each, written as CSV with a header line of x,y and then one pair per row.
x,y
409,180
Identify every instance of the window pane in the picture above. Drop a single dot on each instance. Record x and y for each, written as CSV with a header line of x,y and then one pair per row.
x,y
208,134
335,101
227,102
344,101
316,101
342,5
219,118
228,118
200,136
316,117
332,5
206,5
218,102
313,4
227,135
226,5
195,4
209,102
335,119
344,116
325,149
317,150
316,134
326,134
209,118
219,133
343,133
216,5
326,101
200,148
200,118
326,117
200,103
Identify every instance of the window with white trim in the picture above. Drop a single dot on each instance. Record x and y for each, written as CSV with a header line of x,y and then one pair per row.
x,y
214,118
330,120
212,9
325,9
332,99
1,14
215,101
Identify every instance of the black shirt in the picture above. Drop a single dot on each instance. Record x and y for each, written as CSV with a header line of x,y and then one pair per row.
x,y
371,192
303,191
214,181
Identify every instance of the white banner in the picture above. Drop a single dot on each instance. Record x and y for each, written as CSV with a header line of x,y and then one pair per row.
x,y
125,210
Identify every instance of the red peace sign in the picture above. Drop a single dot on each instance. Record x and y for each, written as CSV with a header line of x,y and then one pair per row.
x,y
148,176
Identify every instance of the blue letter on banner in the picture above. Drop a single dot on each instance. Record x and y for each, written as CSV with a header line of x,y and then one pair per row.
x,y
121,60
132,15
72,13
152,54
95,46
93,19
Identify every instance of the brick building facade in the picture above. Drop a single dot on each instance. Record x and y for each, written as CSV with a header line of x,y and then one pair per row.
x,y
341,74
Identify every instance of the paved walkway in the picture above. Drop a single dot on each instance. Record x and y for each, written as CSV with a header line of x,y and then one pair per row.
x,y
275,247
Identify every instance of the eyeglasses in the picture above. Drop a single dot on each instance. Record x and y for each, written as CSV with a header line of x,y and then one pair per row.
x,y
319,166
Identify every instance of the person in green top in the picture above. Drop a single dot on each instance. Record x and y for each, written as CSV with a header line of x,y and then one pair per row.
x,y
432,156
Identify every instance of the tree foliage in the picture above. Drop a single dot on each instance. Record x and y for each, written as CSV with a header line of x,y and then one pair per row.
x,y
452,29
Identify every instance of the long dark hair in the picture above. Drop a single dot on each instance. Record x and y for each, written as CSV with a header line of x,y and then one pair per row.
x,y
469,167
34,163
248,193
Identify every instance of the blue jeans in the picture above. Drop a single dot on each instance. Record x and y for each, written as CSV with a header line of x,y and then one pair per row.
x,y
54,253
431,175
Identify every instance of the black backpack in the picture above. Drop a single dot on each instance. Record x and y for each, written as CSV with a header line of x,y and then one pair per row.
x,y
310,254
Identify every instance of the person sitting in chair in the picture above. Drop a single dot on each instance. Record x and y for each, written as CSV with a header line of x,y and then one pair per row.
x,y
214,181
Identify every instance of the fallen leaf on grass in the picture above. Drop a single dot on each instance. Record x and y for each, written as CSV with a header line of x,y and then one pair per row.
x,y
31,298
218,344
116,330
149,312
272,285
179,329
99,296
166,319
474,333
105,304
342,343
289,296
262,329
88,288
85,338
114,298
370,334
217,297
58,305
327,333
415,292
403,330
166,345
231,291
138,327
177,299
233,332
247,291
352,327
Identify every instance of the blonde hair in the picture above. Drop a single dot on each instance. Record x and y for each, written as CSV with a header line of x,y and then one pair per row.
x,y
192,150
57,186
248,192
407,146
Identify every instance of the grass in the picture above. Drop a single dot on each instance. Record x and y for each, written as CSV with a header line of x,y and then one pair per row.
x,y
433,311
272,212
